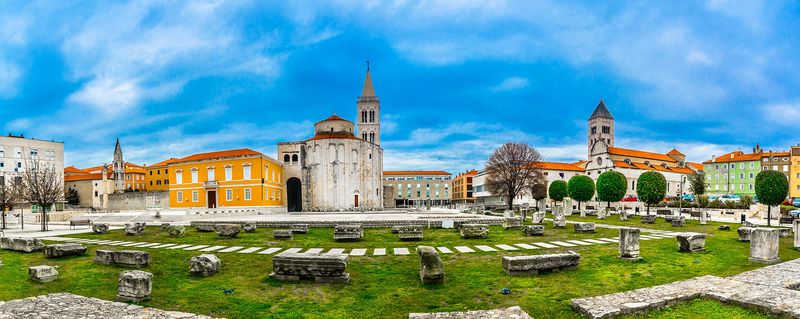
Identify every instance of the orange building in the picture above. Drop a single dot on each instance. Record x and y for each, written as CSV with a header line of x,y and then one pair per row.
x,y
462,187
157,176
232,178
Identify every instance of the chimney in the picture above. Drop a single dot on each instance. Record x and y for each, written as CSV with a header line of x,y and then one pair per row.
x,y
713,157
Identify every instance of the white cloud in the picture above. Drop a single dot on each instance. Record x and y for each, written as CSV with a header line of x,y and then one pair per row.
x,y
510,84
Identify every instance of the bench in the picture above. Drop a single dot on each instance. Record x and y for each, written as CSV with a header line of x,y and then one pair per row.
x,y
785,220
79,222
663,212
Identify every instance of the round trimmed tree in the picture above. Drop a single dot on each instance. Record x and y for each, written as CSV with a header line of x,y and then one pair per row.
x,y
539,192
651,187
580,188
611,187
772,187
558,190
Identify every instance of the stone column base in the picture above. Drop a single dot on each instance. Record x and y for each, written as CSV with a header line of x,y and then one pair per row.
x,y
764,261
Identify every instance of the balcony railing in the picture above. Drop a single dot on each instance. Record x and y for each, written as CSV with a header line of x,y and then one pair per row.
x,y
210,184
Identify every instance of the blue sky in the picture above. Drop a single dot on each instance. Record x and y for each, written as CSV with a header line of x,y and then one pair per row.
x,y
456,79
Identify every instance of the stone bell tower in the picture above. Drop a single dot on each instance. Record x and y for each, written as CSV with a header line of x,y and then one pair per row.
x,y
119,169
601,126
369,113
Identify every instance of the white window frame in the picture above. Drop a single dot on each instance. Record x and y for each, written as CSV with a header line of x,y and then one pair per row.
x,y
228,172
211,172
179,197
247,171
229,195
194,173
195,196
179,177
247,194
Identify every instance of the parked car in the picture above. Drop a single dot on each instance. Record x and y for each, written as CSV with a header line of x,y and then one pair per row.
x,y
630,198
794,213
688,197
730,198
796,202
713,197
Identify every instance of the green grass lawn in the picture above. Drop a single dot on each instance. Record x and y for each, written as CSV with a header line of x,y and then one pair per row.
x,y
388,287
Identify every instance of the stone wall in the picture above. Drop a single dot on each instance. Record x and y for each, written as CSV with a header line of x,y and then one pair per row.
x,y
138,200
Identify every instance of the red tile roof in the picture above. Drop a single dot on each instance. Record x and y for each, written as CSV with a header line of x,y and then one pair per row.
x,y
556,166
324,136
697,166
218,155
333,118
735,156
86,177
634,165
415,173
675,152
640,154
164,162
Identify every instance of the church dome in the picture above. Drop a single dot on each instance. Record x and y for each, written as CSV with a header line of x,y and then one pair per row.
x,y
333,127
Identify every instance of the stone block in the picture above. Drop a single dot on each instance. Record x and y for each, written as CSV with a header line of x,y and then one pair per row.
x,y
724,227
134,229
512,223
648,219
691,242
176,231
348,232
474,230
785,232
299,228
204,265
104,257
100,228
507,313
63,250
679,221
796,228
396,229
283,234
629,243
250,227
164,226
583,228
748,224
43,274
533,230
25,245
134,286
431,269
410,232
135,258
323,268
532,265
745,233
204,228
537,217
764,245
623,215
227,230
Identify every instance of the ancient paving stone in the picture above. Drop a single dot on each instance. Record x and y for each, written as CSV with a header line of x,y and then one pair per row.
x,y
507,313
609,240
464,249
444,250
526,246
231,249
379,252
578,242
270,251
69,306
212,248
249,250
506,247
595,241
358,252
165,245
545,245
485,248
561,243
293,250
314,250
195,247
179,246
402,251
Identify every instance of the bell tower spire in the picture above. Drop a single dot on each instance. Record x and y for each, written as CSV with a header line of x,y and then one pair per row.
x,y
369,112
119,168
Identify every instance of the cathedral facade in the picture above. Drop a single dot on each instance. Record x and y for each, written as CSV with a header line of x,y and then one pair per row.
x,y
340,168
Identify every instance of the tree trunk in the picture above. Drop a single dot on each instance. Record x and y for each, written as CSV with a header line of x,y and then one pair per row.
x,y
648,209
769,215
579,206
510,203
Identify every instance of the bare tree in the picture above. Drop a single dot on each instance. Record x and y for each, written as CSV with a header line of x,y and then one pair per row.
x,y
511,169
43,186
9,195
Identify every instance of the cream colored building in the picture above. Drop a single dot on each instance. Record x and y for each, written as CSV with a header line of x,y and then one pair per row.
x,y
418,188
17,152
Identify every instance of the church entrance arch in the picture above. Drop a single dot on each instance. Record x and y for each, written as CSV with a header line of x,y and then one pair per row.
x,y
294,199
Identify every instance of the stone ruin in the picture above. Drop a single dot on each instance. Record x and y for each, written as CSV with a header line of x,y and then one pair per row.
x,y
532,265
507,313
745,232
623,215
691,242
559,221
474,230
583,228
648,219
135,258
134,286
283,234
205,228
678,221
204,265
43,273
64,250
533,230
346,232
100,228
537,217
784,232
176,231
25,245
410,232
724,227
431,269
250,227
629,243
796,228
323,268
512,223
764,245
134,229
165,226
299,228
227,230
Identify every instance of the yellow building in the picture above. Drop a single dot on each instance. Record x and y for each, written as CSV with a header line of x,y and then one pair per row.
x,y
157,177
794,173
134,177
462,187
232,178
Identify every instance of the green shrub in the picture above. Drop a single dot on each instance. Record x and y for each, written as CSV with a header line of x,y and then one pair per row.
x,y
772,187
651,188
611,186
558,190
580,188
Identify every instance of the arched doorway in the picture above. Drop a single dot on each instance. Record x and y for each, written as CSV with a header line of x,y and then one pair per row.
x,y
294,197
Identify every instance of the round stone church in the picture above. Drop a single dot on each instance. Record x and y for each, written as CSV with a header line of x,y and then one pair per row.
x,y
340,168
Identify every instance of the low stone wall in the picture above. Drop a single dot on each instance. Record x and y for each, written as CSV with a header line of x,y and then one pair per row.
x,y
64,305
364,223
138,200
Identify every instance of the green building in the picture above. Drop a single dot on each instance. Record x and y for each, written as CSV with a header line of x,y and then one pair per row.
x,y
733,173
